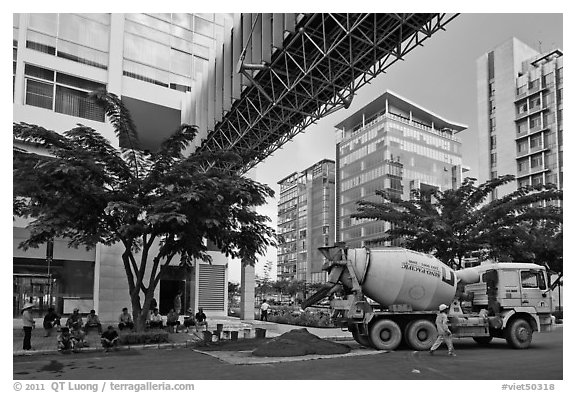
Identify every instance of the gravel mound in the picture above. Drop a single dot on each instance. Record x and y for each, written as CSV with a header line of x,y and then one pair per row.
x,y
299,342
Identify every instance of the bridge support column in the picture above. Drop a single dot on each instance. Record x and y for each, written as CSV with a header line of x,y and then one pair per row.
x,y
247,285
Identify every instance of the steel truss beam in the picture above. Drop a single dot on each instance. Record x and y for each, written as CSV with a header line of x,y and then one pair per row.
x,y
318,70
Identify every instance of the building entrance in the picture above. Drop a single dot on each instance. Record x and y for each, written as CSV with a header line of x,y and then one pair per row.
x,y
37,289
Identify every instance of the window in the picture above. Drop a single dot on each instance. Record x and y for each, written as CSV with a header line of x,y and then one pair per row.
x,y
493,159
492,124
533,279
491,88
523,165
547,99
61,93
548,79
535,122
548,119
521,90
536,161
522,127
534,102
522,108
522,147
492,142
533,85
535,142
560,75
83,38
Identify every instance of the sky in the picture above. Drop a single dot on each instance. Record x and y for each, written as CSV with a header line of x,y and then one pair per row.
x,y
439,76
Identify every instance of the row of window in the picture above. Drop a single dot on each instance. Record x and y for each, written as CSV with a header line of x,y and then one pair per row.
x,y
370,175
157,49
547,81
536,122
61,93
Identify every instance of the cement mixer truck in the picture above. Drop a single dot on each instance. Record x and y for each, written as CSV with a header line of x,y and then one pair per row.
x,y
492,300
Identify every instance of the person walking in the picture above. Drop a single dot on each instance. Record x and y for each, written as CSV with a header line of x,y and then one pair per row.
x,y
28,324
264,311
444,333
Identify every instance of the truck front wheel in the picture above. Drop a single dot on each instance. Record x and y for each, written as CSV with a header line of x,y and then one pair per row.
x,y
420,334
362,340
519,334
385,335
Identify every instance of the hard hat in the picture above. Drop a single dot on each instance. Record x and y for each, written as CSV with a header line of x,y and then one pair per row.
x,y
27,305
442,307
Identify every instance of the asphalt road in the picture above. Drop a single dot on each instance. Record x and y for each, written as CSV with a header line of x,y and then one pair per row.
x,y
542,361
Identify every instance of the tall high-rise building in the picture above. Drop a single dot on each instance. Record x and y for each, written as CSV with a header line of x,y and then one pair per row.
x,y
395,145
305,222
520,102
153,62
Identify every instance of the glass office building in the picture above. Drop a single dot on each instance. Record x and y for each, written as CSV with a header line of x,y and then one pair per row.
x,y
395,145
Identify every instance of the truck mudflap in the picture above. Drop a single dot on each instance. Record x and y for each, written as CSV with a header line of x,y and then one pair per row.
x,y
528,312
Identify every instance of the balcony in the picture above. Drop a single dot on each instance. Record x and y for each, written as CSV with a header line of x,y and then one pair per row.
x,y
532,111
532,131
532,91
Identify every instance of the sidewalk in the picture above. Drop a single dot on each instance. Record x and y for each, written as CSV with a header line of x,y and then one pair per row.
x,y
44,345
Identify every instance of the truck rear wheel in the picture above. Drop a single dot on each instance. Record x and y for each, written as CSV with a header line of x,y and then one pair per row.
x,y
420,334
519,334
385,334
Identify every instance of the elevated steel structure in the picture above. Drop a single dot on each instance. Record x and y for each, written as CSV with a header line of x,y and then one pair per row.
x,y
316,70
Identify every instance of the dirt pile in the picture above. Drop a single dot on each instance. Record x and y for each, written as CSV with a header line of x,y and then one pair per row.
x,y
299,342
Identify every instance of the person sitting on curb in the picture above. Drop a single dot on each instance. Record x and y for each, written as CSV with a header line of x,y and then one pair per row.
x,y
65,342
51,320
189,320
156,321
172,321
92,320
125,320
78,339
74,320
200,319
110,339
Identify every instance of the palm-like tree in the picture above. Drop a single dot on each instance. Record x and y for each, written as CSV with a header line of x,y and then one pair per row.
x,y
455,223
160,206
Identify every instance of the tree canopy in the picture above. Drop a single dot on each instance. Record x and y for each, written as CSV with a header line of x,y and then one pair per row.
x,y
455,223
89,192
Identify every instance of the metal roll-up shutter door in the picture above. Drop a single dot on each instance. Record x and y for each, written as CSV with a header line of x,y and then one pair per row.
x,y
211,285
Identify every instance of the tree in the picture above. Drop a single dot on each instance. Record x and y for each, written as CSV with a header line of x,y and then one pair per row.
x,y
89,192
453,224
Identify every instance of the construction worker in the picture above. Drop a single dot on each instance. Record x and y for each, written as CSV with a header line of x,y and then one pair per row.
x,y
444,333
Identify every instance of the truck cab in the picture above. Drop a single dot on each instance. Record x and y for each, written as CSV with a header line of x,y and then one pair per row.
x,y
505,289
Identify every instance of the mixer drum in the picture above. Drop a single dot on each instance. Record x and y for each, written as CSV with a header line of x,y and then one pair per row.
x,y
399,276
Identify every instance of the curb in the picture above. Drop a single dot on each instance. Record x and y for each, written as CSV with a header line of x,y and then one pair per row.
x,y
99,349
